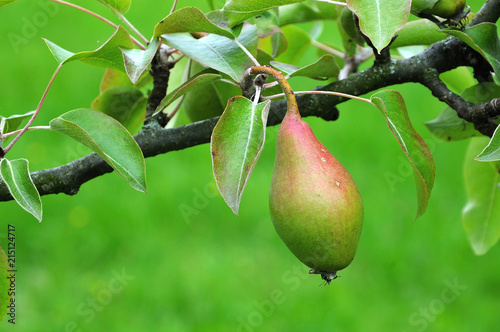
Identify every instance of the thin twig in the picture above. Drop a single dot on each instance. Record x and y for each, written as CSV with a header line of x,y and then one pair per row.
x,y
173,7
33,117
185,78
441,57
326,48
12,133
247,52
315,92
105,20
338,3
131,26
176,108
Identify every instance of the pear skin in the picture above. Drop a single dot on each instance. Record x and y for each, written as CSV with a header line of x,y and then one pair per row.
x,y
446,8
315,205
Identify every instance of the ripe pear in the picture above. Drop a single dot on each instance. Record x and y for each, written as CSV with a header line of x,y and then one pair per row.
x,y
315,205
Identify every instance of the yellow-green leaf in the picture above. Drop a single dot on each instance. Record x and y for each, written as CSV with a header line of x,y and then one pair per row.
x,y
236,143
393,107
379,20
481,214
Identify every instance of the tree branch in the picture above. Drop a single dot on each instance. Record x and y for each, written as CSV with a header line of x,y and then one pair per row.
x,y
160,70
423,68
490,12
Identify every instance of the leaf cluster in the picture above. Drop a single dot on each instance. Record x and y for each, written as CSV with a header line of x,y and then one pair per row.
x,y
377,46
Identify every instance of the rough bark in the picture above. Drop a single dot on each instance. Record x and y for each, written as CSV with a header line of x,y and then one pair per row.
x,y
423,68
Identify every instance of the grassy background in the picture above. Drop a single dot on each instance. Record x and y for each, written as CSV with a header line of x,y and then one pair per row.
x,y
210,270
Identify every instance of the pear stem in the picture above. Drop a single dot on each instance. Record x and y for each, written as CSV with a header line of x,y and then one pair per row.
x,y
287,89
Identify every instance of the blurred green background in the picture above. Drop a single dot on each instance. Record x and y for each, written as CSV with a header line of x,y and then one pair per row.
x,y
113,259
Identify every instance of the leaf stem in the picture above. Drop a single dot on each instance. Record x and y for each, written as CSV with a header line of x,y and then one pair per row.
x,y
12,133
332,93
256,99
326,48
173,7
338,3
287,89
247,52
130,25
185,78
22,131
105,20
176,109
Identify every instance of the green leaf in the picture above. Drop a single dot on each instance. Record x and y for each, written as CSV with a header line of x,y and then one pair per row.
x,y
418,6
268,26
3,3
458,79
323,68
211,4
419,32
392,106
307,11
218,52
17,177
237,141
109,139
108,55
121,6
348,32
125,104
483,38
113,78
379,20
58,52
189,19
284,67
218,18
225,91
191,84
449,127
492,151
5,295
481,214
263,58
239,10
136,61
295,51
12,123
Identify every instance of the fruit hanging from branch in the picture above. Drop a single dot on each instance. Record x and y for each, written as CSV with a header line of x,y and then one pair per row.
x,y
315,205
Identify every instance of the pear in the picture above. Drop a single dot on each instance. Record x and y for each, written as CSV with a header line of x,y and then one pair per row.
x,y
446,8
315,205
202,102
450,9
209,100
349,25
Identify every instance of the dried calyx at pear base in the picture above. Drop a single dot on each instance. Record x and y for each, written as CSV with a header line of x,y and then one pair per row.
x,y
315,205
